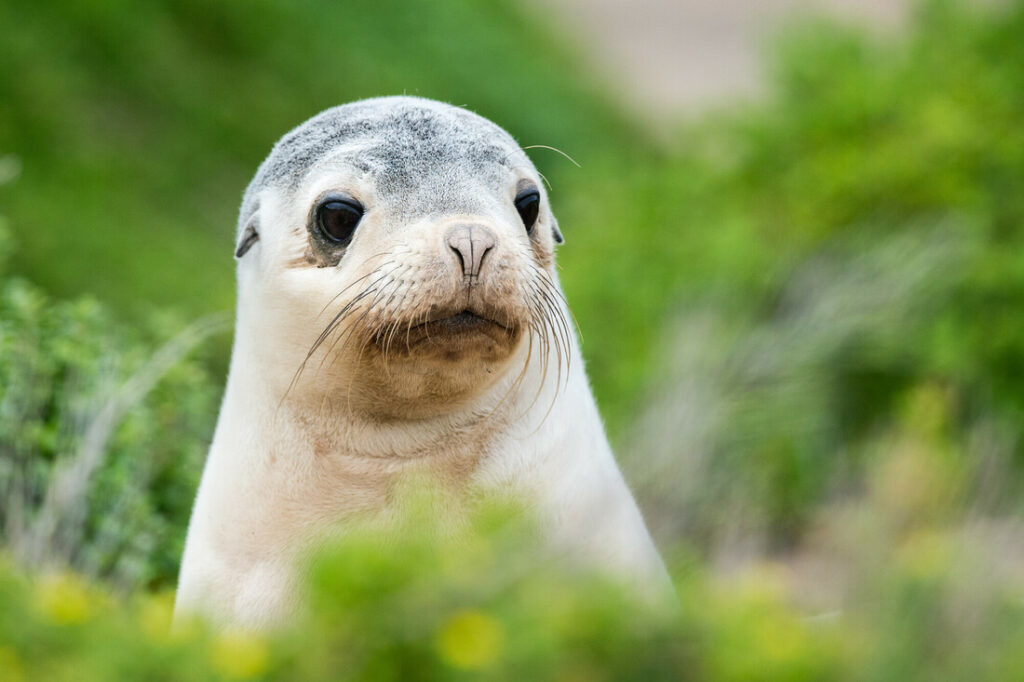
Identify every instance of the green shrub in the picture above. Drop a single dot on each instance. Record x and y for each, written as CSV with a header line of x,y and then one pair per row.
x,y
856,237
834,273
101,441
425,605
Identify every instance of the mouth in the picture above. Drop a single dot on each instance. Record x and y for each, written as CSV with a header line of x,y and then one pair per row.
x,y
465,321
459,331
463,325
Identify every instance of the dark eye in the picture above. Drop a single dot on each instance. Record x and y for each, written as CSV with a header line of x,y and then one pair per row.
x,y
528,205
338,218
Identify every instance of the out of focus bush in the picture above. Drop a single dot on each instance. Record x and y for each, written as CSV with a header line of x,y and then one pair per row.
x,y
423,605
854,239
102,437
831,451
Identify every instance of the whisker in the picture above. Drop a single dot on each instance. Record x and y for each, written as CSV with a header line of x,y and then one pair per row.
x,y
553,295
554,149
552,323
554,289
351,284
393,327
323,335
345,311
544,180
356,326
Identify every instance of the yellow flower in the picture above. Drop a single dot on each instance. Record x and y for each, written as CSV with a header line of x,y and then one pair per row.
x,y
470,640
239,655
64,599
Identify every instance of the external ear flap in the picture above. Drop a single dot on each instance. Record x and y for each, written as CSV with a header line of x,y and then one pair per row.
x,y
249,237
555,232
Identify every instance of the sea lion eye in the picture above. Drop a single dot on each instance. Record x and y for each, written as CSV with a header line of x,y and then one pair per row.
x,y
528,205
337,219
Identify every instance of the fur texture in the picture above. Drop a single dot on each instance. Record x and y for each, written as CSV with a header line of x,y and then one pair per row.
x,y
355,365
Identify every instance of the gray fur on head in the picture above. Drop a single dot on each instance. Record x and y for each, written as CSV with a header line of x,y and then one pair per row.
x,y
416,150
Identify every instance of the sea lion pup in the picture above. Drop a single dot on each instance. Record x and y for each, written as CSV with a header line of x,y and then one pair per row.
x,y
398,311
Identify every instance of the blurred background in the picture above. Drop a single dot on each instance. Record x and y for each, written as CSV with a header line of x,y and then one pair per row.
x,y
794,249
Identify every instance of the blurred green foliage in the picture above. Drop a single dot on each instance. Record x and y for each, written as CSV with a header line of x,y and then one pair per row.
x,y
856,237
429,605
833,275
61,363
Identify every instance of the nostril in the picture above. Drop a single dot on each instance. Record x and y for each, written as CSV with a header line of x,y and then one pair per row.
x,y
480,250
458,254
470,244
460,241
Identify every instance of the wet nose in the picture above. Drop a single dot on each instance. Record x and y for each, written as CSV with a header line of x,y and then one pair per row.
x,y
470,244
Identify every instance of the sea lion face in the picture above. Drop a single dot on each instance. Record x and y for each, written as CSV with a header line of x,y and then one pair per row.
x,y
406,247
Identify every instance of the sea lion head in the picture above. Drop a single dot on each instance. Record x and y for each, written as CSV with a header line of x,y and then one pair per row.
x,y
399,253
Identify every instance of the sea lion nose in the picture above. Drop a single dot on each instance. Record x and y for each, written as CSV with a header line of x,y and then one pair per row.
x,y
470,243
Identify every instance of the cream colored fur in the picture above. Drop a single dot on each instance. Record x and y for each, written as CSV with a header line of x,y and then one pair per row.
x,y
297,452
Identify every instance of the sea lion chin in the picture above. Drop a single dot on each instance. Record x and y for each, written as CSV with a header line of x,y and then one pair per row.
x,y
399,312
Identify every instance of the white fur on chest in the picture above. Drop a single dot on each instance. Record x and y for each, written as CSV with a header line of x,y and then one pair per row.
x,y
267,491
327,405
